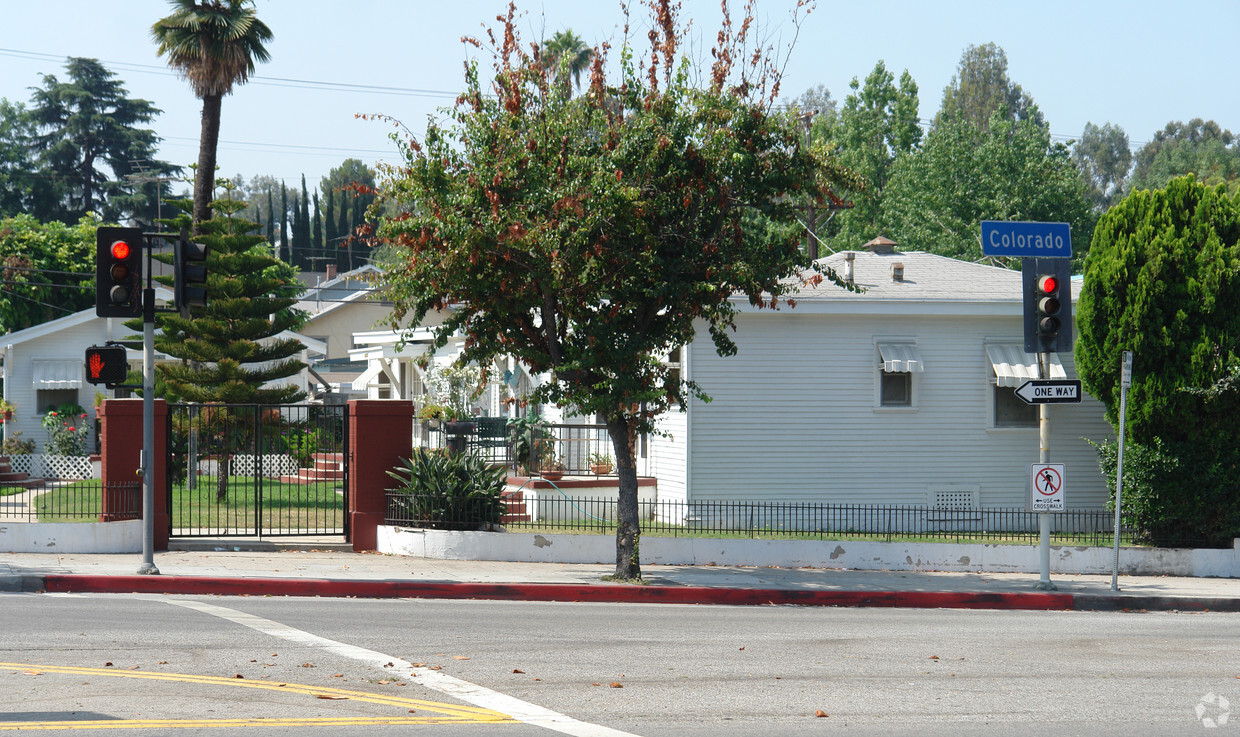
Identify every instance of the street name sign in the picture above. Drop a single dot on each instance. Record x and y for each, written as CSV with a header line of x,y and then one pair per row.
x,y
1050,391
1046,487
1026,240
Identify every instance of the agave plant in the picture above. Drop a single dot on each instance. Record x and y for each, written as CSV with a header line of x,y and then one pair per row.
x,y
449,491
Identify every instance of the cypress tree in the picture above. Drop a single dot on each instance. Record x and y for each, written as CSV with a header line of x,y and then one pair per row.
x,y
330,234
271,218
316,231
284,251
303,230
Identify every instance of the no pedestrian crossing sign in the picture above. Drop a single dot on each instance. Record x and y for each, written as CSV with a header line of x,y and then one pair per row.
x,y
1046,487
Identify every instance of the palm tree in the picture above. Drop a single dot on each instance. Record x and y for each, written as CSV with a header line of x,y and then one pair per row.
x,y
568,56
214,44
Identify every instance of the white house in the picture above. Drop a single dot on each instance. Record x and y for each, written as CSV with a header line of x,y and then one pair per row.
x,y
899,395
44,367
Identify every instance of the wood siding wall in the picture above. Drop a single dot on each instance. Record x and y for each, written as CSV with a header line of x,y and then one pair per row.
x,y
794,417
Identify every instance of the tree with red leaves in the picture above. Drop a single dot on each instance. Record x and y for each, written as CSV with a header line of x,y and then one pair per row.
x,y
587,236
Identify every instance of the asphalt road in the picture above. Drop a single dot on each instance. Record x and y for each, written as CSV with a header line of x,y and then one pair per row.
x,y
208,665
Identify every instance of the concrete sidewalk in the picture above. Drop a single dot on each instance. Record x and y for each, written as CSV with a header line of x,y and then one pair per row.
x,y
331,571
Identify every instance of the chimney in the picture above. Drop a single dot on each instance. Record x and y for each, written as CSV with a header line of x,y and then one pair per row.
x,y
849,258
897,271
331,272
881,245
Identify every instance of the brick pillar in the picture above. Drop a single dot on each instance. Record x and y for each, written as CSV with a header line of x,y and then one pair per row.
x,y
380,435
120,427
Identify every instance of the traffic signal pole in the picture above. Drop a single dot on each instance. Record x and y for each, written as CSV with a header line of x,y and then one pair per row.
x,y
1044,456
148,429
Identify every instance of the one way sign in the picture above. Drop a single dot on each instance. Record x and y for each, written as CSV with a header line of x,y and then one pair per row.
x,y
1050,391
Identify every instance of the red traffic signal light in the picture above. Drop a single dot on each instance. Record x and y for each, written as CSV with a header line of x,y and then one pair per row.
x,y
1048,306
118,272
106,365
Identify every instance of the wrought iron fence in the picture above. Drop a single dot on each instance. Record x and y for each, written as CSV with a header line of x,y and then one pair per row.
x,y
571,445
555,512
246,469
68,500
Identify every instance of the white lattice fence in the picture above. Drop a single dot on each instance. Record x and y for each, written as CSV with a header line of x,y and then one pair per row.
x,y
52,467
272,466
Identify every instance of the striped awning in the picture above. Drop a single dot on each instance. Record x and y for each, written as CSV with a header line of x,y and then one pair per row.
x,y
900,358
58,374
1014,367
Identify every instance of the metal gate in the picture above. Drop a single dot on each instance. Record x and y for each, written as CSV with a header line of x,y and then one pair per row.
x,y
255,470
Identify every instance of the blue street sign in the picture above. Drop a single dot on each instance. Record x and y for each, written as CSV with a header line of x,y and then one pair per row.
x,y
1026,240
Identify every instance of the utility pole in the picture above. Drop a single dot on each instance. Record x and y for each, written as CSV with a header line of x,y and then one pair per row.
x,y
811,216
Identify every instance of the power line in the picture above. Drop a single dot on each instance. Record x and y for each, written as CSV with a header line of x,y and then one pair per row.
x,y
162,70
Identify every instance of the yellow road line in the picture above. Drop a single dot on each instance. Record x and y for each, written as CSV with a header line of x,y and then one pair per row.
x,y
447,713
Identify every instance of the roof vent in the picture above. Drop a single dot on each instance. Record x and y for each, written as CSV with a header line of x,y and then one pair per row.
x,y
881,245
849,258
897,271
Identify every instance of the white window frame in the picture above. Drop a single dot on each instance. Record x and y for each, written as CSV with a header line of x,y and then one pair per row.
x,y
879,372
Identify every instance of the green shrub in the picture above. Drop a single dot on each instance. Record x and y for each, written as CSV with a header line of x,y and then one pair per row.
x,y
15,446
302,443
449,491
1178,494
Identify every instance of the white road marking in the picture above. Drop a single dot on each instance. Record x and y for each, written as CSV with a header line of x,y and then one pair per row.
x,y
522,711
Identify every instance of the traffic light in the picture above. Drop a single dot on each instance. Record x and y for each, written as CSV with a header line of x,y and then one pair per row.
x,y
189,267
118,272
106,364
1048,305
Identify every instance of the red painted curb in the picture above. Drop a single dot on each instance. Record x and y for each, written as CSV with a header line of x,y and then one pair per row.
x,y
595,593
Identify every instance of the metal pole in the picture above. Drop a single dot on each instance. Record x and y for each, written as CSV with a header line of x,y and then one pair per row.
x,y
148,430
1125,382
1044,456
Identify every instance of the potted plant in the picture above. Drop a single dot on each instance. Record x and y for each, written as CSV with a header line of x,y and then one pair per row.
x,y
549,466
600,463
434,414
7,409
525,435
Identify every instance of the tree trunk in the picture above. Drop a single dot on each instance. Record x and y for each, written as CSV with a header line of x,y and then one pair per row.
x,y
222,472
628,524
208,141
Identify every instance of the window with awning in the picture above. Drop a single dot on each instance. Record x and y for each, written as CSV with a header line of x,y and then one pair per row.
x,y
898,362
58,374
1013,367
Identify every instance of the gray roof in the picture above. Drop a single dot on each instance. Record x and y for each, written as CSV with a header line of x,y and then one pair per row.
x,y
927,276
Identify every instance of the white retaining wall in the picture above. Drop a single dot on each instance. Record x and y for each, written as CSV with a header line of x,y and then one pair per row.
x,y
71,537
563,548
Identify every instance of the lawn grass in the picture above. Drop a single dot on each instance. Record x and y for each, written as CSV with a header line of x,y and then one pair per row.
x,y
286,507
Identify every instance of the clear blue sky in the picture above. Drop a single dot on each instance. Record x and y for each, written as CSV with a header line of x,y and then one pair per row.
x,y
1138,64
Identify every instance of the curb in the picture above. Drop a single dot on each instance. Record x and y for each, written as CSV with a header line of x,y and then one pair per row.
x,y
551,592
607,593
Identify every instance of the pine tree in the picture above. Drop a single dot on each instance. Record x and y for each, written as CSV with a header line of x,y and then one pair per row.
x,y
250,300
230,349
